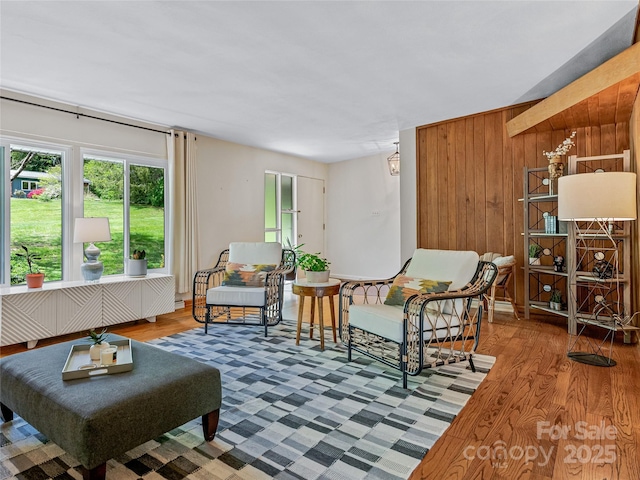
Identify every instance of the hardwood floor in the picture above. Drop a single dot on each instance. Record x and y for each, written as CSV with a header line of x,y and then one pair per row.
x,y
527,419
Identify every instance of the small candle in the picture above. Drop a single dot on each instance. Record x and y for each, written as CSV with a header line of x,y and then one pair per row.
x,y
108,356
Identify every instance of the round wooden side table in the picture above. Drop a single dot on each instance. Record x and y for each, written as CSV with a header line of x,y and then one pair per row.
x,y
316,291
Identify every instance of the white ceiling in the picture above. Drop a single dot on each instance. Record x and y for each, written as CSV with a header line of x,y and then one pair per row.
x,y
322,80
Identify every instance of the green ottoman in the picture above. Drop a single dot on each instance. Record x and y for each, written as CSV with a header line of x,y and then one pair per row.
x,y
95,419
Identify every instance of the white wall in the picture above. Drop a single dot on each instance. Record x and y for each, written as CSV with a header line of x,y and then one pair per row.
x,y
363,218
408,195
231,192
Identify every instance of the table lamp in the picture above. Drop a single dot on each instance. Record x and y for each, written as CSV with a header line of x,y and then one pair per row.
x,y
89,230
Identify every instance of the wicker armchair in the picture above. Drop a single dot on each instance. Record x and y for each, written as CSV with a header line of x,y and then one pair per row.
x,y
231,293
506,272
428,329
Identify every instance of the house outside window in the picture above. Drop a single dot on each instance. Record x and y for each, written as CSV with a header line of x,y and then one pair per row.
x,y
35,212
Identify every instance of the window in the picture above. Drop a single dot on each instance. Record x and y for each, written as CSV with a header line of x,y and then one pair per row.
x,y
26,185
279,208
129,190
35,213
131,193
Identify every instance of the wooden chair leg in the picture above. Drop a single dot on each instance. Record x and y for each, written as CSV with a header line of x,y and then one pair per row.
x,y
492,303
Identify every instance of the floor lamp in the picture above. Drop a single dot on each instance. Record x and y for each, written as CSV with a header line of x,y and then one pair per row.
x,y
595,202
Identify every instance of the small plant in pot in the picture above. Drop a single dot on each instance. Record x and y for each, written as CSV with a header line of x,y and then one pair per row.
x,y
535,252
555,301
34,279
98,343
137,265
315,267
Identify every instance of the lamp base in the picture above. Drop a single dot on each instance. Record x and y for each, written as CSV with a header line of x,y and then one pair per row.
x,y
92,271
592,359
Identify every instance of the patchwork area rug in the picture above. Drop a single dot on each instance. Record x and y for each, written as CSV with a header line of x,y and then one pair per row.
x,y
289,412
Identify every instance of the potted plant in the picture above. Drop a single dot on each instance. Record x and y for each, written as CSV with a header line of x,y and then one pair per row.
x,y
535,252
34,279
137,265
99,343
555,302
315,267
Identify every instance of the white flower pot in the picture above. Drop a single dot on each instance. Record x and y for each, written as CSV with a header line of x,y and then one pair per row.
x,y
96,348
534,261
137,268
317,277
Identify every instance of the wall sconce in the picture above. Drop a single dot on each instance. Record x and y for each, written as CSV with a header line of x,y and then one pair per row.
x,y
394,162
89,230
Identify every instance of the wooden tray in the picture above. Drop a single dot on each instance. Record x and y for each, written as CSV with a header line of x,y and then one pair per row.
x,y
79,357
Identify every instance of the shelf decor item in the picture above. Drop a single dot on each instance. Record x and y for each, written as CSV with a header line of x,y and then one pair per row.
x,y
594,202
555,301
556,166
535,252
89,230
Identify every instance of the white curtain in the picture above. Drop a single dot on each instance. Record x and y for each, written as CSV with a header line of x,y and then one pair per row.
x,y
181,147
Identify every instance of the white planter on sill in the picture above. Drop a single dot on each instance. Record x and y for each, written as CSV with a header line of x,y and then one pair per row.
x,y
137,268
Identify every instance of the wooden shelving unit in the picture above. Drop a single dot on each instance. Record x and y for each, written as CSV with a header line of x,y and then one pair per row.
x,y
539,280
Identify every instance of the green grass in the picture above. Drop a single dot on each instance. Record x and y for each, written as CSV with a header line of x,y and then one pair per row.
x,y
38,225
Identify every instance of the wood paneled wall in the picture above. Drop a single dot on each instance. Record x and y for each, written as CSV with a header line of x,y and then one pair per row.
x,y
634,129
470,177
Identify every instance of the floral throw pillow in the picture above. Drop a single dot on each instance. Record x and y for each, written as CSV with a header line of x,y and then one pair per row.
x,y
403,287
246,274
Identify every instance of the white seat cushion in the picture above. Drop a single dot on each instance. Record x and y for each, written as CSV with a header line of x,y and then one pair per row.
x,y
240,296
387,321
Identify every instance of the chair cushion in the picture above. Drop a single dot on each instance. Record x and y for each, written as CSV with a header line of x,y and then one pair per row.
x,y
246,274
387,321
503,262
500,261
445,265
255,253
403,287
240,296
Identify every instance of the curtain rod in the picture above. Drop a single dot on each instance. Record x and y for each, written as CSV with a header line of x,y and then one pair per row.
x,y
77,114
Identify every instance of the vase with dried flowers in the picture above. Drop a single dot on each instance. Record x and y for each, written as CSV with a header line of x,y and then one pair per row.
x,y
556,167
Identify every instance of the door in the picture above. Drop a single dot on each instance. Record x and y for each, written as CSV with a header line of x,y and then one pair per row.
x,y
311,214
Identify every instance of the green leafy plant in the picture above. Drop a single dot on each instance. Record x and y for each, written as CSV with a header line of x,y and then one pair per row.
x,y
309,262
535,250
556,296
138,255
98,338
29,257
312,262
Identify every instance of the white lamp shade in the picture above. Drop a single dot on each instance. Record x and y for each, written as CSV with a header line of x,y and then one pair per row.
x,y
87,230
598,195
